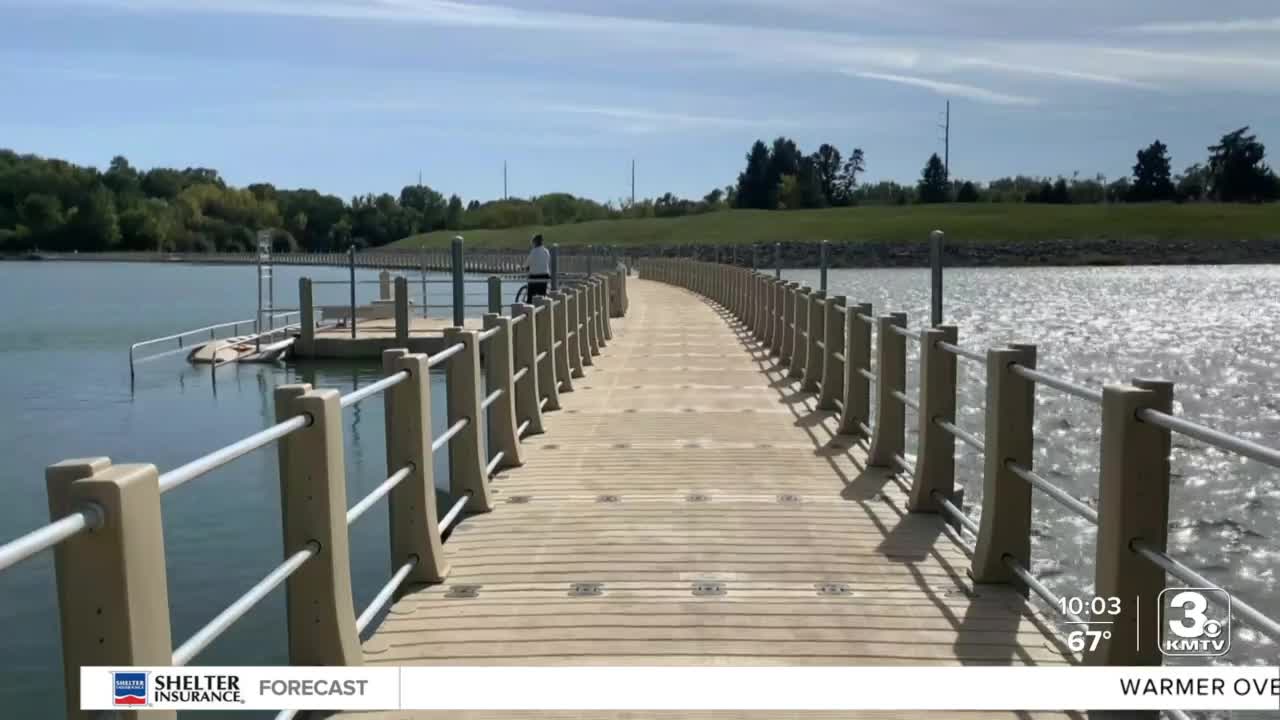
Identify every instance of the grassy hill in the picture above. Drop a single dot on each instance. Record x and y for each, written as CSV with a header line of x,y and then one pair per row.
x,y
964,223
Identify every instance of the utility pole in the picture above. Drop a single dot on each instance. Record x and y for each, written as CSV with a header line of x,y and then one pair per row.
x,y
504,179
633,182
946,140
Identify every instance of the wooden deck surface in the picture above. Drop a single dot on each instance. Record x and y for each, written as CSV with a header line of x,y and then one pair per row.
x,y
712,504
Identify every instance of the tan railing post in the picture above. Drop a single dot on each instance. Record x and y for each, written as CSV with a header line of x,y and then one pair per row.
x,y
495,294
582,345
415,530
593,316
402,309
306,342
560,345
466,450
602,316
1133,504
779,320
891,374
800,349
786,346
935,457
528,395
313,498
573,336
499,365
606,307
113,593
764,309
857,355
772,307
384,285
1005,528
546,368
833,366
816,327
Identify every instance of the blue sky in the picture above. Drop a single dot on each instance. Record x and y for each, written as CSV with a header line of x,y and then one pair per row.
x,y
353,96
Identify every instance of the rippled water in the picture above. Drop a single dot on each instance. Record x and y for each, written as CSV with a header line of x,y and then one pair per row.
x,y
1212,331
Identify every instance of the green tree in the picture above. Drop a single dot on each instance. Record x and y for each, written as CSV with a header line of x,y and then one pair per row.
x,y
1193,183
453,217
809,183
968,193
1237,171
42,215
848,180
784,159
932,187
1152,175
753,182
828,164
93,224
141,228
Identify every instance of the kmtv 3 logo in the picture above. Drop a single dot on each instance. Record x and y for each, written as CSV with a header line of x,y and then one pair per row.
x,y
129,689
1195,622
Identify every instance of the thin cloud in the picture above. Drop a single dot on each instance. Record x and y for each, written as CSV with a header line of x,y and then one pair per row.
x,y
1060,73
940,87
1216,27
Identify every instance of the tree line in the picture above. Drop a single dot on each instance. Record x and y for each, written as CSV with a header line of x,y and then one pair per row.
x,y
50,204
780,177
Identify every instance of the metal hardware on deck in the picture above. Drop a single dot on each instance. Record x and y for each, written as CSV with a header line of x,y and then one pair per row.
x,y
586,590
608,499
788,499
832,589
466,592
697,497
709,589
519,499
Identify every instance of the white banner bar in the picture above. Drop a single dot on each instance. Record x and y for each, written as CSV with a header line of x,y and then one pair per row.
x,y
685,688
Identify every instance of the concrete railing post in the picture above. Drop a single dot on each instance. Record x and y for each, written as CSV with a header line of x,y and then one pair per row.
x,y
415,530
560,347
935,457
528,395
458,266
857,357
606,307
384,285
581,342
313,498
546,365
1005,528
573,339
832,364
890,427
779,320
824,262
402,310
788,304
113,593
1133,504
466,450
768,308
816,327
800,347
499,366
593,312
495,294
307,311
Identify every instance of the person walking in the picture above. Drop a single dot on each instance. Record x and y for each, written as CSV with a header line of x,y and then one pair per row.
x,y
539,268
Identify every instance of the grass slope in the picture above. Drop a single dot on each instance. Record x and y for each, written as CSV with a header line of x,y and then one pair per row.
x,y
976,223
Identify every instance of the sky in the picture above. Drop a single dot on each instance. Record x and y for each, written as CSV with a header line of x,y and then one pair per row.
x,y
357,96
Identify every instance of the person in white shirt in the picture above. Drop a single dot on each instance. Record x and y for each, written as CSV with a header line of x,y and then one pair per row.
x,y
539,267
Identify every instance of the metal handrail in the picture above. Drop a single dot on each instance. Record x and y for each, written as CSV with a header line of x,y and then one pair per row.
x,y
1216,438
903,465
90,517
1266,625
1039,588
378,493
1038,482
445,354
493,463
368,391
541,356
518,319
488,333
838,356
904,399
956,513
523,426
867,374
905,332
175,336
492,398
1065,386
246,602
961,352
963,435
383,597
450,517
519,374
218,458
448,434
866,318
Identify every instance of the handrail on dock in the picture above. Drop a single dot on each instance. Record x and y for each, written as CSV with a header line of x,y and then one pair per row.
x,y
503,394
825,344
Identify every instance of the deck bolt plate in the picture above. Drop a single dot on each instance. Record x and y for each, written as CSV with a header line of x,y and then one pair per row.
x,y
788,499
608,499
697,497
519,499
463,591
708,589
832,588
586,589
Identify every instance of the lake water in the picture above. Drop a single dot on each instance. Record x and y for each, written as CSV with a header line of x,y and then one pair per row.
x,y
66,393
1213,331
64,337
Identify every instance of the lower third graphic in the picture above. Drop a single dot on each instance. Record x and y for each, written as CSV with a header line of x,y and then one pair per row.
x,y
129,689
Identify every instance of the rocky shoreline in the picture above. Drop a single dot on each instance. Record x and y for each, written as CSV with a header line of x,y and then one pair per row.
x,y
1085,252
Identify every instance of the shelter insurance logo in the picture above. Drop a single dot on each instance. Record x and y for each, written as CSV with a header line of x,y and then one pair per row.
x,y
128,689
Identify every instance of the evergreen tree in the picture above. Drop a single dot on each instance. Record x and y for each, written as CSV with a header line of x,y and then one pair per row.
x,y
753,188
1152,175
1237,172
932,187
